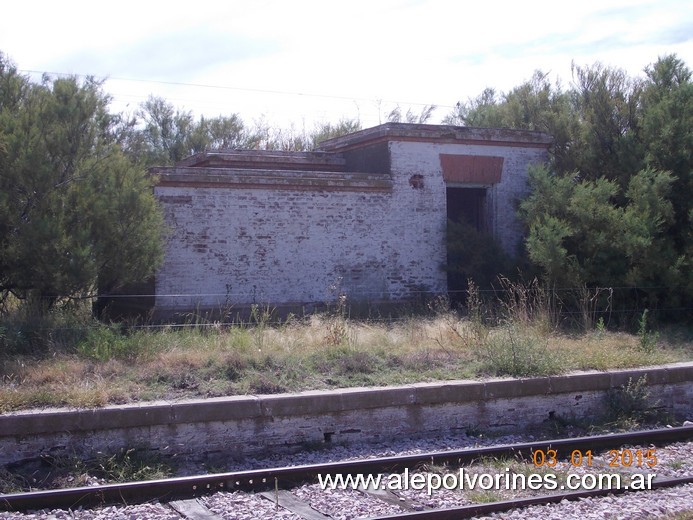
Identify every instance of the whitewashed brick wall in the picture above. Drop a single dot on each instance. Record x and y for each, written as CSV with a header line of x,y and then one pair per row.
x,y
233,245
424,158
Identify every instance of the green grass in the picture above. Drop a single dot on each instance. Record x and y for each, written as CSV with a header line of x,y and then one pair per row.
x,y
93,364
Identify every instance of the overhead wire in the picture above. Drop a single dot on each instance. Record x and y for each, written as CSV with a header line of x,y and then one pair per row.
x,y
237,88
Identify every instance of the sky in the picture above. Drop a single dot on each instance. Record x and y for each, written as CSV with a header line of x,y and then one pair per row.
x,y
298,63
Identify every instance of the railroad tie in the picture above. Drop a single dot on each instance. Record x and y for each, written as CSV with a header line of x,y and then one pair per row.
x,y
287,500
193,510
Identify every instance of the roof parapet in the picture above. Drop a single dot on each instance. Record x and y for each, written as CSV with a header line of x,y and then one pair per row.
x,y
266,160
436,133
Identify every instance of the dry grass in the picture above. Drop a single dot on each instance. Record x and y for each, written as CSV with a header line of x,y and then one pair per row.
x,y
108,366
613,350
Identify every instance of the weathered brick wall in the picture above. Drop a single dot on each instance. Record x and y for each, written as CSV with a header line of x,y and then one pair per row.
x,y
409,158
294,240
243,246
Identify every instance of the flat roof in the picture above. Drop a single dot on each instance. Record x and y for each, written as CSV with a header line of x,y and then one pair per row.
x,y
436,133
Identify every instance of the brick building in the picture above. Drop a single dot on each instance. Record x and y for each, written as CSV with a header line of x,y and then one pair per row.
x,y
363,216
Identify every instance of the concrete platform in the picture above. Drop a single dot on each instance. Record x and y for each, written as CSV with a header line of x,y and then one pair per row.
x,y
255,424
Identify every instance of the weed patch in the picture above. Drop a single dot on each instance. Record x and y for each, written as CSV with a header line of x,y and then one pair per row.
x,y
631,403
113,364
518,353
265,384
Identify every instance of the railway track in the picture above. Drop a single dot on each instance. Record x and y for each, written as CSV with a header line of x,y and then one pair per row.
x,y
183,493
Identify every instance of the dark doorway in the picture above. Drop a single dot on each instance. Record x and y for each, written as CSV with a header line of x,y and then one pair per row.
x,y
467,205
466,212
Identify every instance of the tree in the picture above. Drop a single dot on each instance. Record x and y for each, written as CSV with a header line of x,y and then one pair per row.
x,y
608,140
265,137
595,124
483,111
616,208
324,131
535,105
580,236
74,210
667,136
161,135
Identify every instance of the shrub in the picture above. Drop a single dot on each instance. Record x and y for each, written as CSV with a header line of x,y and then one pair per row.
x,y
518,353
103,342
631,402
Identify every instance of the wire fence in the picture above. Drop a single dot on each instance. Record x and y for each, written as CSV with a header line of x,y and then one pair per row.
x,y
413,292
581,305
620,304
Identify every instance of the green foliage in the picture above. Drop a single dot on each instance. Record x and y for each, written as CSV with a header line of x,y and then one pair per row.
x,y
102,343
601,326
293,139
631,403
71,470
578,234
73,208
667,134
616,210
129,465
161,135
29,329
325,131
396,115
473,255
535,105
606,103
482,111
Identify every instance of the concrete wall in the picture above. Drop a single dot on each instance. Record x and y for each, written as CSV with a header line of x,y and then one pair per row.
x,y
255,425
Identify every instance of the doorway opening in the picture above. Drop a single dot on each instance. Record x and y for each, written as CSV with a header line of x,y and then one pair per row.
x,y
467,221
467,205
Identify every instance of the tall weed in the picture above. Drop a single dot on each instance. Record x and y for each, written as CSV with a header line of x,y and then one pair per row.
x,y
527,304
647,338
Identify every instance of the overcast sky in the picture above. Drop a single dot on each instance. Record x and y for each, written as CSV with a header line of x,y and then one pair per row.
x,y
302,61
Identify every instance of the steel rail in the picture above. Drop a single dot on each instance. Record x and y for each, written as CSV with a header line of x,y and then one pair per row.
x,y
286,477
473,510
